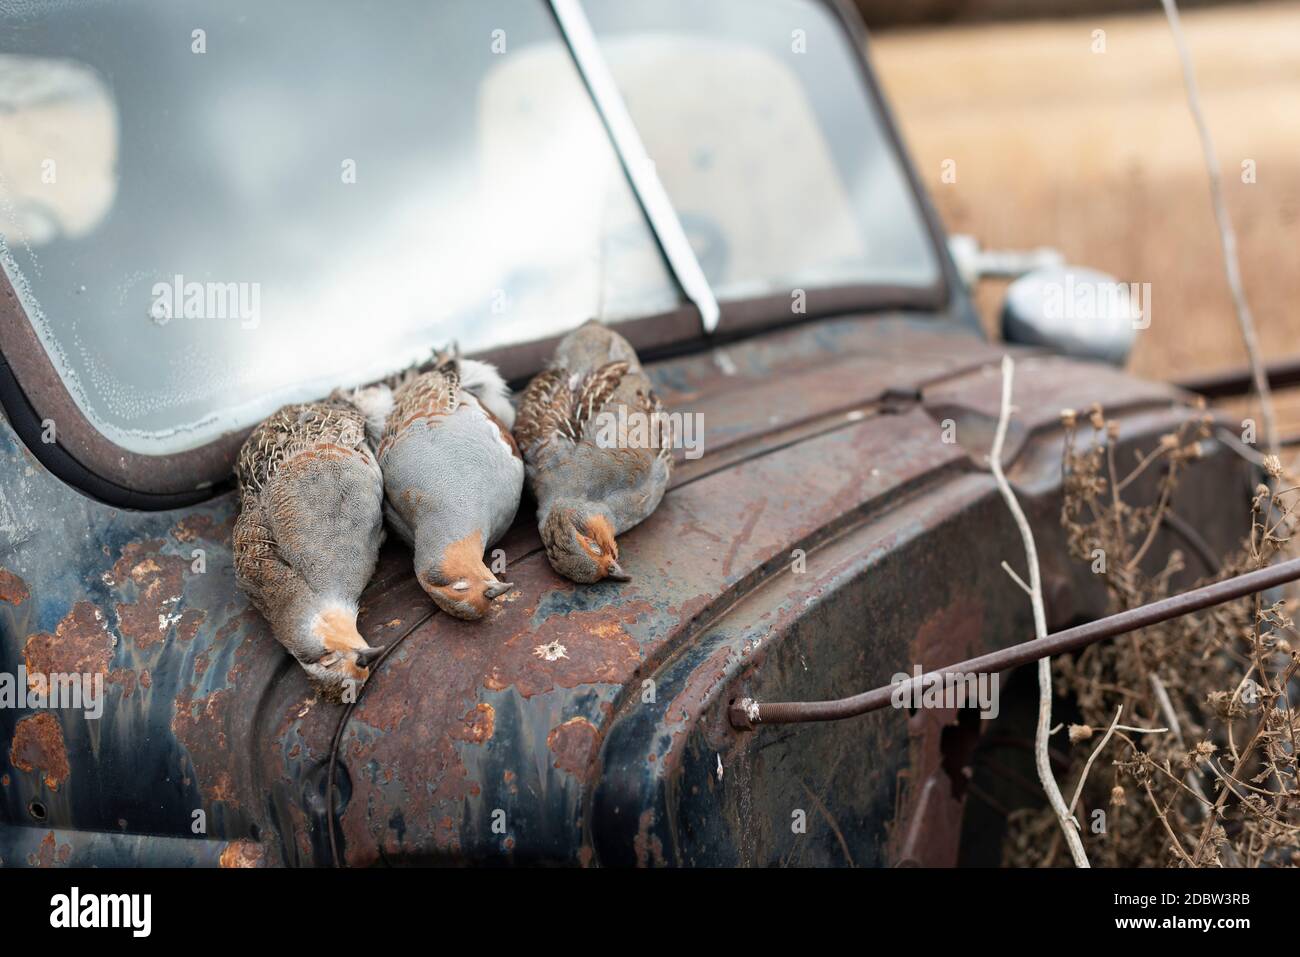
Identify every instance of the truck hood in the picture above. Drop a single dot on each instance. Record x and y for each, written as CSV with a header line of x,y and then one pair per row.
x,y
578,724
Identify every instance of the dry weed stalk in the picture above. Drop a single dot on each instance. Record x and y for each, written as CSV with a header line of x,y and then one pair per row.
x,y
1069,825
1222,788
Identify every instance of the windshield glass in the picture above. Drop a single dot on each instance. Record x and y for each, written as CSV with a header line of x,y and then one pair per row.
x,y
768,142
210,209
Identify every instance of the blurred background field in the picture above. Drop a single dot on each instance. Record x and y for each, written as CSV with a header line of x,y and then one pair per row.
x,y
1096,154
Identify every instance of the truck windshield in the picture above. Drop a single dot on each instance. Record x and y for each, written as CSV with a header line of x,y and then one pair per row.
x,y
768,143
209,210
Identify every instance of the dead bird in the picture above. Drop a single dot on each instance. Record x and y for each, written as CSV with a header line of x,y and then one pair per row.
x,y
308,535
452,474
598,451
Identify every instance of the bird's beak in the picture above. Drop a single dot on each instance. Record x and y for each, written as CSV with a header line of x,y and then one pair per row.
x,y
500,588
366,655
616,573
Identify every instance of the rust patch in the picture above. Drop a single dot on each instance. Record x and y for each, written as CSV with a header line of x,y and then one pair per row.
x,y
424,771
574,745
188,627
124,677
597,650
649,849
928,827
12,588
198,726
478,725
159,582
194,527
50,853
81,644
243,854
203,724
38,746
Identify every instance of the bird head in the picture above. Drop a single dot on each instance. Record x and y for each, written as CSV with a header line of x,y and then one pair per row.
x,y
333,653
579,540
457,580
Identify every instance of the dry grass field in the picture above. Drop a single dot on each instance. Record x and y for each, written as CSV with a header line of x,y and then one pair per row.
x,y
1095,153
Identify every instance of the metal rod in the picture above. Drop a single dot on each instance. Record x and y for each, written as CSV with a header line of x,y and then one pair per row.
x,y
746,713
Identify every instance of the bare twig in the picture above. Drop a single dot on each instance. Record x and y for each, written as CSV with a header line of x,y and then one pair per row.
x,y
1078,790
1167,709
1164,819
1227,238
1017,579
1041,759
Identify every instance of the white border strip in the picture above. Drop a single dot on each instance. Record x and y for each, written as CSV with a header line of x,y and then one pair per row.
x,y
640,168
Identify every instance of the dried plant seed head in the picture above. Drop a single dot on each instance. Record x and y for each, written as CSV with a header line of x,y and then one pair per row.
x,y
1273,466
1069,418
1199,660
1095,417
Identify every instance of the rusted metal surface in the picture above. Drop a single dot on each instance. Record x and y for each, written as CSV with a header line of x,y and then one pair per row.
x,y
747,714
827,538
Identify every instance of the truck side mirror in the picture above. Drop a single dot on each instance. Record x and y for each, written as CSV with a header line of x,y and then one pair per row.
x,y
1077,312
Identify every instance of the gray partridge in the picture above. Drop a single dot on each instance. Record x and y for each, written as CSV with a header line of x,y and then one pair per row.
x,y
308,535
452,475
598,451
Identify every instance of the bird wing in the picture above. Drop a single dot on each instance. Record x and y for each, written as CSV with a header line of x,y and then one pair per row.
x,y
545,410
260,570
594,393
294,429
427,396
559,404
309,485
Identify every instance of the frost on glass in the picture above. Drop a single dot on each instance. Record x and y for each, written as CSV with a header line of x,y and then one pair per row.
x,y
211,209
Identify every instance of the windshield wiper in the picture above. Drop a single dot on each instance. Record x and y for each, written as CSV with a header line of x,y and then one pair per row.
x,y
641,173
